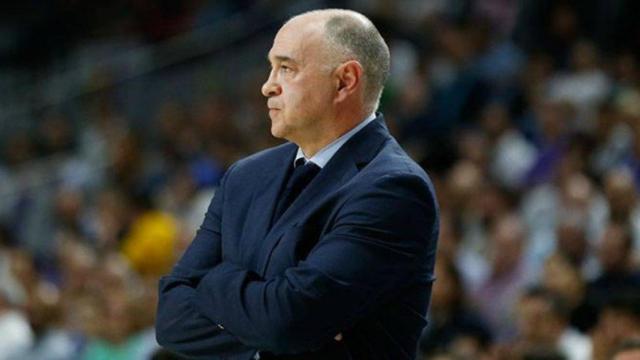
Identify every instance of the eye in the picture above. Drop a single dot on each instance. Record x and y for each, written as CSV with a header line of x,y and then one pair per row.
x,y
285,69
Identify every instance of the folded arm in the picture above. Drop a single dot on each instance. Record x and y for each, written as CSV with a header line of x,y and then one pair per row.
x,y
179,326
380,242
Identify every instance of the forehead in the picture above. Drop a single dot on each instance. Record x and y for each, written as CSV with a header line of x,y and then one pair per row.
x,y
298,41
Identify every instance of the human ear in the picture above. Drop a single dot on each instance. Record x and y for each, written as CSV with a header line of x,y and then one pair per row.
x,y
348,79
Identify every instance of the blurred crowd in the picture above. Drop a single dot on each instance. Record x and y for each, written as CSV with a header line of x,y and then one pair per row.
x,y
526,115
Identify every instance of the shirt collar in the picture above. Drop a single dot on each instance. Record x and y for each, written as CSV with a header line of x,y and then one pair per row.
x,y
322,157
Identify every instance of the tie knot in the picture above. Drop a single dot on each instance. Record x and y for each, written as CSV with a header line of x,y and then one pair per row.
x,y
303,172
300,162
304,165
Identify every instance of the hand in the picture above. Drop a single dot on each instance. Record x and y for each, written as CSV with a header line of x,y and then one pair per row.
x,y
338,337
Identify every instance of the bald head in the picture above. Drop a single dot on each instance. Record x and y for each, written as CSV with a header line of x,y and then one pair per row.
x,y
352,36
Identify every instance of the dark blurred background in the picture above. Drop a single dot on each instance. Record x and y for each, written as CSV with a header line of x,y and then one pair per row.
x,y
118,118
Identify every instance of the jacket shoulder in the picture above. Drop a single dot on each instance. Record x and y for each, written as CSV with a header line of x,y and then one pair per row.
x,y
263,160
393,161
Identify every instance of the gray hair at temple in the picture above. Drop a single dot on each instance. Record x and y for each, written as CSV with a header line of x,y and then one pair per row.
x,y
352,35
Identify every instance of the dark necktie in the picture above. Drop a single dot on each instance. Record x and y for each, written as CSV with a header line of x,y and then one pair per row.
x,y
302,174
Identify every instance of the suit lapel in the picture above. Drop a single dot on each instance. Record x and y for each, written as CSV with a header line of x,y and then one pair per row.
x,y
266,199
344,165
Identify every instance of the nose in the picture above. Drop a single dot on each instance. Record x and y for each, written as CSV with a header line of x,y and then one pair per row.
x,y
271,87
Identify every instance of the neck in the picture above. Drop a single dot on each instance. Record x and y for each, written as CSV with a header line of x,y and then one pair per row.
x,y
332,130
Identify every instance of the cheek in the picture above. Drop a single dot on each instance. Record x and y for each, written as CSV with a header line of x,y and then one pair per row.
x,y
316,98
288,98
306,98
294,96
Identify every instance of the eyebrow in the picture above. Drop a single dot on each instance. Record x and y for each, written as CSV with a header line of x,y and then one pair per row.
x,y
282,58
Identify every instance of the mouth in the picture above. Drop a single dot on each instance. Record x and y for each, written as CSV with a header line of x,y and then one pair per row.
x,y
273,113
272,105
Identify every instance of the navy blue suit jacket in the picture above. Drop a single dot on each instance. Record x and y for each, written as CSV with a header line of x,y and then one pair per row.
x,y
354,254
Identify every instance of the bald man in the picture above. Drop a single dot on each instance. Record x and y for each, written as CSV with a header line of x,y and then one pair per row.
x,y
321,248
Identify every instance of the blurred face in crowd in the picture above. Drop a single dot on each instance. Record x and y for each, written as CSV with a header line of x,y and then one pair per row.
x,y
554,118
463,183
562,277
621,193
116,317
536,321
78,263
615,326
571,237
507,238
584,56
448,240
615,248
300,86
628,355
577,192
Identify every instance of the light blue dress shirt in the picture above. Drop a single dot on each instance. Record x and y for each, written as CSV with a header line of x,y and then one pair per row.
x,y
322,157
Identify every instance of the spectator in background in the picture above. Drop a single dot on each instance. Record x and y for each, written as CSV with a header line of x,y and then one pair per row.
x,y
453,325
17,336
549,25
54,341
617,271
619,320
125,330
512,154
500,13
585,86
565,216
563,278
571,239
457,90
628,350
552,140
496,297
613,139
627,101
622,199
16,333
463,183
543,322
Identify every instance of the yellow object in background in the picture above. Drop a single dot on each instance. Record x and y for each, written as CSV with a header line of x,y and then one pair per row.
x,y
150,244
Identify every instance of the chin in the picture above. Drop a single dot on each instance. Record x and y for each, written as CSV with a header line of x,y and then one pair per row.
x,y
279,129
276,135
276,131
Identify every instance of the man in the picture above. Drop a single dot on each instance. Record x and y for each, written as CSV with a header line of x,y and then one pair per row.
x,y
321,248
628,350
542,319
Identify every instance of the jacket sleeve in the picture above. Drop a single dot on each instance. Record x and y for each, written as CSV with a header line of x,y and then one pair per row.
x,y
383,238
179,326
